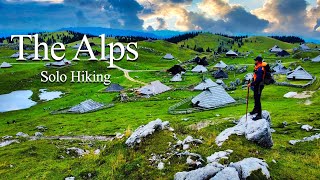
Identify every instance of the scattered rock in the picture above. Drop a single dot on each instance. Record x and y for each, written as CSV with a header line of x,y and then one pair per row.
x,y
195,155
76,151
21,134
219,155
228,173
290,94
284,123
119,135
7,137
200,174
248,165
274,161
160,165
38,134
272,130
8,142
306,127
305,139
145,130
304,94
69,178
190,139
41,128
97,152
256,131
307,102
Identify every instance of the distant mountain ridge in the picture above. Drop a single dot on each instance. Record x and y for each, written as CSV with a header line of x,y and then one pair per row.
x,y
123,32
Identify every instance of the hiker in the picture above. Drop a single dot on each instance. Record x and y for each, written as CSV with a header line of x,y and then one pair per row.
x,y
257,85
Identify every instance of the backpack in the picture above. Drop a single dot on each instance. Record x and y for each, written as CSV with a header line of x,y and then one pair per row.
x,y
268,78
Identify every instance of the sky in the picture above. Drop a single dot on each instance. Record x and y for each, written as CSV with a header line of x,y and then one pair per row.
x,y
269,17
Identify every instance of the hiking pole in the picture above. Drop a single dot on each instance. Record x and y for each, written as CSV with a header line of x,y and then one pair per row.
x,y
248,90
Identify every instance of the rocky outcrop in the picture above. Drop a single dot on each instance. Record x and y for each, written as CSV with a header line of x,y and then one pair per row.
x,y
234,171
146,130
8,142
21,134
257,131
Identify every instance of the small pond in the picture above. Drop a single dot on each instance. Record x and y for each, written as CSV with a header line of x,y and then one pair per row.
x,y
47,96
16,100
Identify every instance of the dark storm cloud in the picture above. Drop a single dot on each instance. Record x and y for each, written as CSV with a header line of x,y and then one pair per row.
x,y
238,20
35,15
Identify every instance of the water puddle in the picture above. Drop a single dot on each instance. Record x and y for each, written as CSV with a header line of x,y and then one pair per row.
x,y
47,96
16,100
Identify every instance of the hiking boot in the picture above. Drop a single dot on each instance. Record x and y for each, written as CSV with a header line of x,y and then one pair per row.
x,y
257,118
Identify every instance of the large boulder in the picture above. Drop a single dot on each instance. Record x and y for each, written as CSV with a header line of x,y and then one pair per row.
x,y
145,130
257,131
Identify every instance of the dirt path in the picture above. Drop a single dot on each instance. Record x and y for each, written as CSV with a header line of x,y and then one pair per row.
x,y
126,74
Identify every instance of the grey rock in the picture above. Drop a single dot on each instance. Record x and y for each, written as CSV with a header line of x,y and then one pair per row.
x,y
306,127
8,142
200,174
228,173
146,130
7,137
160,165
69,178
219,155
305,139
21,134
256,131
76,151
41,128
38,134
248,165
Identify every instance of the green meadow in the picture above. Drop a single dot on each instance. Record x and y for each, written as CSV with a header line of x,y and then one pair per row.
x,y
41,159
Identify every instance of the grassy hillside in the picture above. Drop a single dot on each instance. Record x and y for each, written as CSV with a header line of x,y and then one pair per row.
x,y
207,40
47,159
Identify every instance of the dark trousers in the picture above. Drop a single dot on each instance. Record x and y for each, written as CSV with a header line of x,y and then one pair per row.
x,y
257,99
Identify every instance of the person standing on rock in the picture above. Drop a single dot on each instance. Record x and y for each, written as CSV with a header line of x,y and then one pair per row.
x,y
257,85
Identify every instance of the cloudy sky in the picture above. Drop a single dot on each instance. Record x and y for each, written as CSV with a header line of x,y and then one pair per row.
x,y
288,17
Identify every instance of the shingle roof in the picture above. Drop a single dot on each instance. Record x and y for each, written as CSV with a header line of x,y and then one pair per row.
x,y
299,74
114,88
212,98
316,59
275,49
304,47
176,78
168,56
31,56
205,84
220,74
280,69
154,88
63,62
15,55
199,69
220,64
86,106
230,52
5,65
